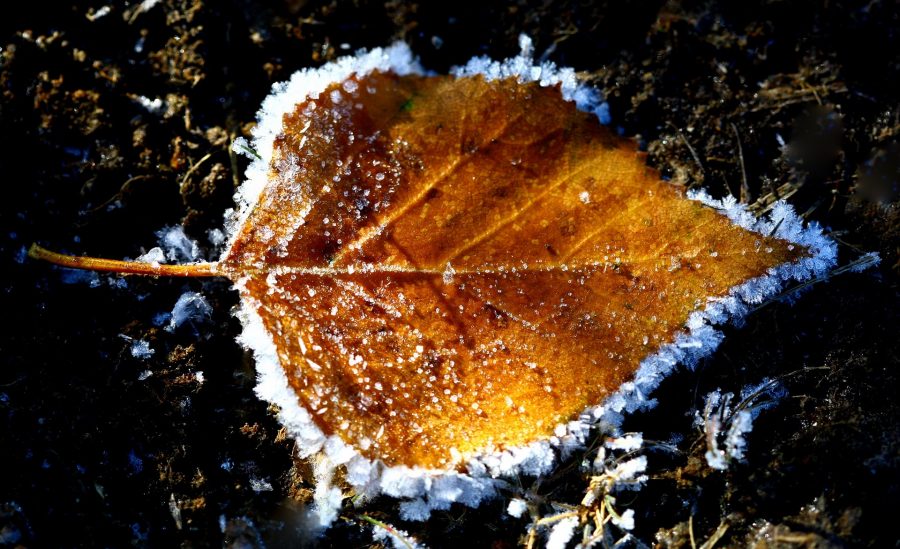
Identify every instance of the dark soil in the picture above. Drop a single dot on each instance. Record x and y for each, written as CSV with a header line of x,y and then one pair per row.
x,y
760,100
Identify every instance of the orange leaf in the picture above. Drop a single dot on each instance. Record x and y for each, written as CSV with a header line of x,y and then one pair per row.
x,y
446,274
451,266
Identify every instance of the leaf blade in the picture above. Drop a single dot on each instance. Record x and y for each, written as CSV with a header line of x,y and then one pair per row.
x,y
494,283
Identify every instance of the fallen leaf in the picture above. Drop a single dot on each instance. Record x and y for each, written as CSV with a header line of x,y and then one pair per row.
x,y
455,263
442,275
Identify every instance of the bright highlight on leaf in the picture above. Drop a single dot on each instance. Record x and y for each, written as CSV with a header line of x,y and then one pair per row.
x,y
442,276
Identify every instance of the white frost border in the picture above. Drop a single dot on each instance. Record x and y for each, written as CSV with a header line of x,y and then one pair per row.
x,y
425,490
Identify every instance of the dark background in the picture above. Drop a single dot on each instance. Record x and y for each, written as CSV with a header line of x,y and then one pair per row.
x,y
93,452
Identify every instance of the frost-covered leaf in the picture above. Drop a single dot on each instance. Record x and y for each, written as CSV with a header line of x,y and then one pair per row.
x,y
449,266
446,280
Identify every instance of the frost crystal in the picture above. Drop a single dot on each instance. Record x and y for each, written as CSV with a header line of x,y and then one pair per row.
x,y
625,521
628,470
154,106
561,533
147,5
260,485
154,255
216,237
327,499
627,443
101,12
870,259
190,307
177,246
21,255
141,349
726,427
516,507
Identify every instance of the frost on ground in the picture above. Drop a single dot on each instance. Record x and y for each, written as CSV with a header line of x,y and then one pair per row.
x,y
174,247
561,533
726,425
177,246
141,349
627,443
191,307
260,485
516,507
597,518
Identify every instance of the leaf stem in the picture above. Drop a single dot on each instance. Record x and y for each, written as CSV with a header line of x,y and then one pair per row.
x,y
123,267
